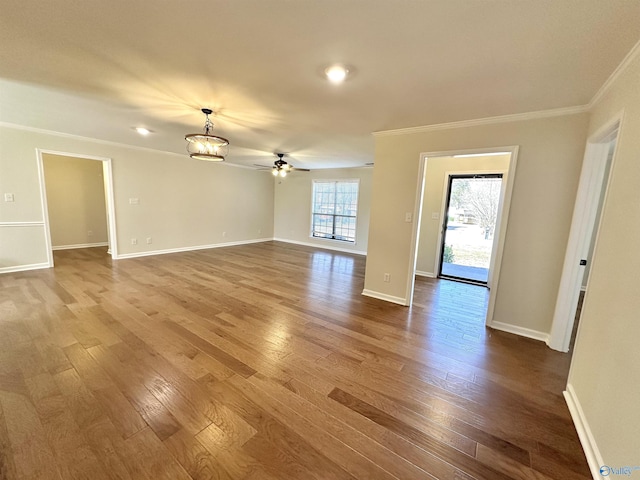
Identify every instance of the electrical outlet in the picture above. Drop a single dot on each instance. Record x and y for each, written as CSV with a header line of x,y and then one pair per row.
x,y
408,217
435,215
259,231
149,240
8,197
90,233
387,277
134,241
134,201
224,234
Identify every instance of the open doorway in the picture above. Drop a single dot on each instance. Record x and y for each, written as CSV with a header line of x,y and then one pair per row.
x,y
471,214
590,200
77,198
431,206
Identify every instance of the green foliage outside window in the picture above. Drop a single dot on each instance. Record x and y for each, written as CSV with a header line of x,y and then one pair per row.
x,y
448,256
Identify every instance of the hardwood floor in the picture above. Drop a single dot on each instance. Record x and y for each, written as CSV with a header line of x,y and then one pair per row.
x,y
266,362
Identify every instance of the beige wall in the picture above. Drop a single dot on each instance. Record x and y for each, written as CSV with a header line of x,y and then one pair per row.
x,y
605,372
75,200
434,191
22,246
189,203
546,180
292,217
183,203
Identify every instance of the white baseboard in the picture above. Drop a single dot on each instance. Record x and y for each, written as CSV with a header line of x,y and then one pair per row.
x,y
189,249
522,331
324,247
591,451
80,245
384,296
23,268
420,273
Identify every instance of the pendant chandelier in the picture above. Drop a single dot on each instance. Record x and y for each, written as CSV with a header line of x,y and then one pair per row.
x,y
205,146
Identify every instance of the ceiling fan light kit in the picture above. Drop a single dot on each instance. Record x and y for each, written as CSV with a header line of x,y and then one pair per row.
x,y
280,167
276,172
205,146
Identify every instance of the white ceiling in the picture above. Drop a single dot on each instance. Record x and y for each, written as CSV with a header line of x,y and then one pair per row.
x,y
98,68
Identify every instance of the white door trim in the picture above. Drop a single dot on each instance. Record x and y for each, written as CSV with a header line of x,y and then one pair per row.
x,y
501,226
109,197
592,182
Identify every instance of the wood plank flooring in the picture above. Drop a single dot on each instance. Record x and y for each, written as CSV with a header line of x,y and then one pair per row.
x,y
266,362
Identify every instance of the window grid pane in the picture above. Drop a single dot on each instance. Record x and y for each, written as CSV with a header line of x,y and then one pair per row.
x,y
335,206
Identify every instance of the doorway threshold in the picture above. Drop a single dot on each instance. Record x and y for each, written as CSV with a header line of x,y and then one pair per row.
x,y
477,275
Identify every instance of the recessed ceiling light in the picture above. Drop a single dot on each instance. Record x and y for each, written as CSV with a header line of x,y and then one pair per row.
x,y
336,73
142,130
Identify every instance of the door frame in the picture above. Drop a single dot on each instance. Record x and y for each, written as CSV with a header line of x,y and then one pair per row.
x,y
107,174
592,182
448,178
501,228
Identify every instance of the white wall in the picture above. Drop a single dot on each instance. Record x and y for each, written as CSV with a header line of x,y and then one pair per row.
x,y
438,168
292,216
75,201
605,371
545,185
183,203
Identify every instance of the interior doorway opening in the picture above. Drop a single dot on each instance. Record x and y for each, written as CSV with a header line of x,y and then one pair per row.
x,y
468,228
79,206
583,236
435,169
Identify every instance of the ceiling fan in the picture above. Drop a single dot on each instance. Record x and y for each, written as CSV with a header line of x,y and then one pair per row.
x,y
281,167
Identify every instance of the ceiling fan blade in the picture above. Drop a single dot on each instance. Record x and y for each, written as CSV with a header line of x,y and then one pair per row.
x,y
300,169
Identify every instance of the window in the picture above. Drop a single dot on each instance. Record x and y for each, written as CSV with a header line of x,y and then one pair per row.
x,y
334,208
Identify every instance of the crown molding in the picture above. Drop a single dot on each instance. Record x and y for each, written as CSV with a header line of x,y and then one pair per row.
x,y
556,112
626,61
43,131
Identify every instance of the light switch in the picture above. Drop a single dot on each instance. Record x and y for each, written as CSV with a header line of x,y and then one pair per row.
x,y
408,217
8,197
134,201
435,215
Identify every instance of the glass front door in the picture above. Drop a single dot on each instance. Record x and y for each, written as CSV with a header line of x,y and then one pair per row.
x,y
469,227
